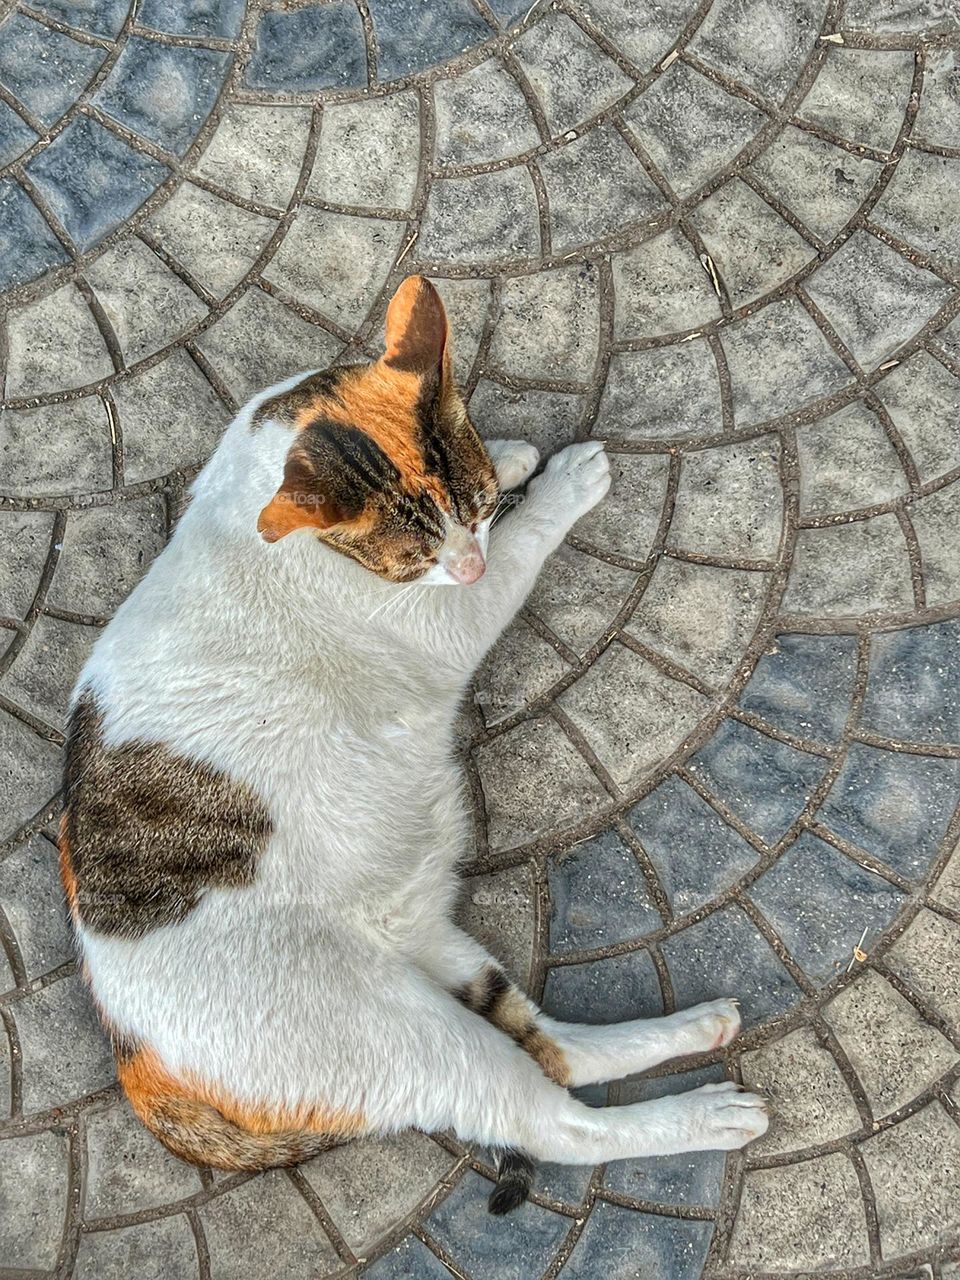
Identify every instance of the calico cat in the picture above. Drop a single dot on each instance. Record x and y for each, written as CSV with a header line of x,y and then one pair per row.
x,y
264,814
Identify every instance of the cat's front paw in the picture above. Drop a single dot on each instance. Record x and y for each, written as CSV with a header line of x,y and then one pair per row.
x,y
513,461
573,481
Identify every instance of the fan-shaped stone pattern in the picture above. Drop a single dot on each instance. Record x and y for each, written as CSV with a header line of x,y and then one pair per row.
x,y
718,750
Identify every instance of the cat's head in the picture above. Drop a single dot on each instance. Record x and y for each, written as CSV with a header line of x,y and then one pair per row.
x,y
385,465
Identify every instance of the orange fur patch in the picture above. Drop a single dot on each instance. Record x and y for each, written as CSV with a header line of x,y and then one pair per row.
x,y
67,874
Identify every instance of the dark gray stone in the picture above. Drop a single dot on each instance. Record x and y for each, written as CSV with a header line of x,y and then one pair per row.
x,y
192,17
24,547
317,47
598,897
622,1244
33,1200
161,1250
45,69
56,449
30,769
613,990
15,134
412,36
46,667
913,691
101,17
765,782
27,245
547,419
65,1052
491,216
411,1260
31,895
696,853
105,553
663,393
805,685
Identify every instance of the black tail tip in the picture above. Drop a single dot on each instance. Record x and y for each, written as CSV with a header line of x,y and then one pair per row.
x,y
514,1180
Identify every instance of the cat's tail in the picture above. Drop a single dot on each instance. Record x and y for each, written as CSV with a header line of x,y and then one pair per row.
x,y
514,1181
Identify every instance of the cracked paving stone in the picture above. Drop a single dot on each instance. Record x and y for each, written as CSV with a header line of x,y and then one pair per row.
x,y
160,1250
497,910
368,153
781,336
105,552
664,393
936,521
627,520
316,47
808,1215
30,769
549,325
265,1217
480,219
128,1170
875,299
368,1186
579,596
914,1168
926,957
621,1244
54,344
410,1260
661,288
65,1053
818,901
700,617
923,399
804,685
482,116
598,897
729,501
257,151
33,1205
809,1099
520,669
655,713
614,989
913,690
764,45
534,780
24,547
764,782
31,896
893,805
850,570
896,1055
56,449
726,955
568,72
546,419
695,853
820,183
846,462
861,95
689,127
177,394
47,667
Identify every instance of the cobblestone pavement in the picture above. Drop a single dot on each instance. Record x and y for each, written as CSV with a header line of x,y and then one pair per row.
x,y
720,751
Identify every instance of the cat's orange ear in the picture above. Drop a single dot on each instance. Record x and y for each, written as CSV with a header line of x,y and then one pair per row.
x,y
298,503
416,335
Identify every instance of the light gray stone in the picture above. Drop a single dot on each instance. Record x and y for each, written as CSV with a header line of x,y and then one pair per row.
x,y
946,891
546,419
579,596
486,218
759,41
927,957
24,547
935,521
663,393
29,773
627,520
466,303
369,153
923,399
65,1052
846,462
33,1200
922,205
861,94
938,120
729,501
46,668
127,1168
54,344
520,668
549,325
643,34
498,911
661,288
481,116
257,152
105,553
161,1250
31,896
56,449
850,570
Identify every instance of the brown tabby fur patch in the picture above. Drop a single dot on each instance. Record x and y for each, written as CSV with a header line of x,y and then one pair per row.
x,y
146,831
494,997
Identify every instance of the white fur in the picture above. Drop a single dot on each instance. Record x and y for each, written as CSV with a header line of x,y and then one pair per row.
x,y
333,694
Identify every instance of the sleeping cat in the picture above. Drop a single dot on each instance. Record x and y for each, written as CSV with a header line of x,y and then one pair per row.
x,y
264,814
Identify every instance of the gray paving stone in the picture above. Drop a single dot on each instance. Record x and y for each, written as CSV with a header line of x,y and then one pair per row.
x,y
819,902
938,120
689,127
257,152
161,1250
480,219
861,94
100,17
549,325
368,153
65,1053
875,299
368,1186
497,910
412,36
33,1205
30,769
804,685
466,303
923,399
260,341
105,552
913,1168
946,891
46,668
889,16
925,956
627,520
481,116
25,543
894,1052
622,1244
534,781
935,523
822,184
128,1170
655,713
894,806
410,1260
43,69
700,617
850,570
610,990
579,596
215,240
808,1215
660,288
644,35
764,46
546,419
595,185
696,854
847,462
335,263
265,1217
316,47
520,669
729,501
598,897
765,782
912,691
809,1099
54,344
56,449
569,74
725,955
663,393
192,17
27,245
31,896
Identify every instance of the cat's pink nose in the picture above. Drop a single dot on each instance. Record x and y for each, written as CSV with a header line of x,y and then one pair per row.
x,y
468,566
